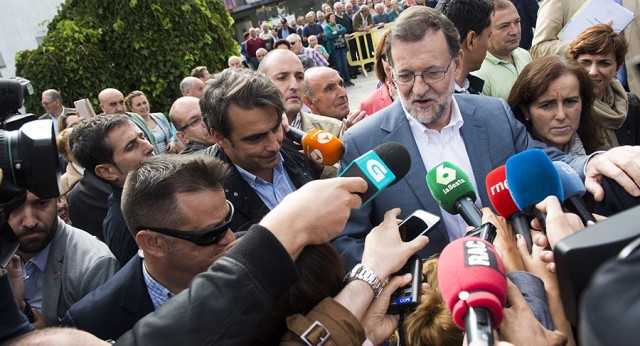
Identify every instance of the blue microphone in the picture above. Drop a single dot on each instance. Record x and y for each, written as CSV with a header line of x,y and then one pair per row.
x,y
380,167
573,190
532,177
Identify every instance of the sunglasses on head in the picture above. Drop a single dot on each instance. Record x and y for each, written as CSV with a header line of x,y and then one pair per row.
x,y
201,238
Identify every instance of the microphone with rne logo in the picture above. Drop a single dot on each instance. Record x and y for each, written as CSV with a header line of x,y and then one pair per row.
x,y
471,278
453,190
381,167
498,191
573,189
532,178
320,146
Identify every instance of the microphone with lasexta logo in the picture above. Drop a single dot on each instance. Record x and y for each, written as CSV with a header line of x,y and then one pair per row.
x,y
320,146
500,197
471,278
453,190
381,167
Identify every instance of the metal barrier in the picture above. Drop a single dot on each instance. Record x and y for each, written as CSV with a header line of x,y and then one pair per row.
x,y
362,46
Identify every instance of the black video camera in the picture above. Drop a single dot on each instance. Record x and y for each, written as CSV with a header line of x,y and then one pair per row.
x,y
28,159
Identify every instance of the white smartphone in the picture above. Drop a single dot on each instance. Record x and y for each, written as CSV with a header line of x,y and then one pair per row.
x,y
418,223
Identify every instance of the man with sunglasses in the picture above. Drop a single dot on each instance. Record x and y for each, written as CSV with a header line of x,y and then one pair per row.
x,y
176,208
186,117
476,133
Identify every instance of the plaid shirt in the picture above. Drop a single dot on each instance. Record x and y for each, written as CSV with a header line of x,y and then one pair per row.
x,y
316,56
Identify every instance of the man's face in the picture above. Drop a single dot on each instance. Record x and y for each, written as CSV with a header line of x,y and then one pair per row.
x,y
505,37
338,8
429,103
293,24
235,62
129,149
354,3
196,89
51,106
310,18
329,97
252,33
255,139
188,115
34,223
320,16
112,102
476,57
200,210
296,45
348,8
313,41
288,75
265,28
379,10
260,54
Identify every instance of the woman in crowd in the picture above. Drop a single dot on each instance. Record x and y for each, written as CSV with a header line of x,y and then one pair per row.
x,y
65,121
553,97
336,35
386,92
137,102
74,172
601,51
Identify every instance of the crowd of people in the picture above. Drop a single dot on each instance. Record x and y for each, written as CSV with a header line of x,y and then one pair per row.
x,y
213,225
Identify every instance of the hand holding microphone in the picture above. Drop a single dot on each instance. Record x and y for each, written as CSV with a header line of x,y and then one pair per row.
x,y
320,146
454,192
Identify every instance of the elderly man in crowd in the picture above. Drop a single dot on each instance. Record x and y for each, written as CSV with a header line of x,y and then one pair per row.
x,y
187,118
52,104
191,86
296,47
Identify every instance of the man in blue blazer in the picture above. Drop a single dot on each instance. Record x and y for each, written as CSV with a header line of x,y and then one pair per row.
x,y
475,133
176,208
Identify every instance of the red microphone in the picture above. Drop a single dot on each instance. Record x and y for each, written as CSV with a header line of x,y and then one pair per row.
x,y
500,197
473,285
320,146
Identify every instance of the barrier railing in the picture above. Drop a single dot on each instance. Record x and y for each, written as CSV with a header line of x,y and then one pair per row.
x,y
362,46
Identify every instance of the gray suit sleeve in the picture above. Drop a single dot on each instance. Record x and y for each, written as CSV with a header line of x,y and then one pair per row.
x,y
532,289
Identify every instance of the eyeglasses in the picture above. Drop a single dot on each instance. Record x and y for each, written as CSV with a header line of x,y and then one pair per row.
x,y
202,238
192,123
430,76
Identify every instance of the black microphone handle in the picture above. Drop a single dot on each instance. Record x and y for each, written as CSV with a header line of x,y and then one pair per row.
x,y
295,134
477,323
469,211
542,219
521,226
576,205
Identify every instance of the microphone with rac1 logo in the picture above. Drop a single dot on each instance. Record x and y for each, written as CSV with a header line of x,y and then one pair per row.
x,y
381,167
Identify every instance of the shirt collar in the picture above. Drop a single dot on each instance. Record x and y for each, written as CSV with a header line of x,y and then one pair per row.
x,y
465,86
158,293
252,179
40,259
297,122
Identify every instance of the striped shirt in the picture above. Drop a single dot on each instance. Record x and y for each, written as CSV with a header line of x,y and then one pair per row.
x,y
316,56
159,294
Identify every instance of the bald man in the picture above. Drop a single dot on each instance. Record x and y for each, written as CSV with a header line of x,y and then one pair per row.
x,y
191,86
186,116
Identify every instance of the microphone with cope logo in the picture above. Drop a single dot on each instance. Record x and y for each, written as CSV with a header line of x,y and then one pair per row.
x,y
381,167
320,146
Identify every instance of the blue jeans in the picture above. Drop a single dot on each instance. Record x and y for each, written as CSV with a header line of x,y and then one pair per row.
x,y
342,66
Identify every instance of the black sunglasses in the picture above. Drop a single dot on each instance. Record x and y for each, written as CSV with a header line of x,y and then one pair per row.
x,y
202,238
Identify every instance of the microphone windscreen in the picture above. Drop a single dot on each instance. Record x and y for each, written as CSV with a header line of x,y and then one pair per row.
x,y
447,184
471,274
396,157
498,191
571,183
532,178
322,147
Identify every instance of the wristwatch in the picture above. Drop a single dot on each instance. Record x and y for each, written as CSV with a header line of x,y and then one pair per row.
x,y
361,272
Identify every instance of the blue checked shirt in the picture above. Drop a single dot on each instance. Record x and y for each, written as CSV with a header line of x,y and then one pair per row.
x,y
270,193
159,294
317,57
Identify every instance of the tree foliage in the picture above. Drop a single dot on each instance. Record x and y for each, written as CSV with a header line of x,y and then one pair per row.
x,y
147,45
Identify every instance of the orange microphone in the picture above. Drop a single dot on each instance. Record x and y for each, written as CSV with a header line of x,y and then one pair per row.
x,y
320,146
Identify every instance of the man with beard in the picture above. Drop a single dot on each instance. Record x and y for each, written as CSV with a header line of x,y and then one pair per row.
x,y
60,263
475,133
175,246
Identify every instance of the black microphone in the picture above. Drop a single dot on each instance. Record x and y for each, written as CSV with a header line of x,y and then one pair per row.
x,y
380,167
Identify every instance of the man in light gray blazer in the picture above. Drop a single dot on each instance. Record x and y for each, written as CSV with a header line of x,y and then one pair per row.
x,y
60,263
476,133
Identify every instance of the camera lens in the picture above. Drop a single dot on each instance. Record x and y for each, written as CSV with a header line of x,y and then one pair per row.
x,y
28,158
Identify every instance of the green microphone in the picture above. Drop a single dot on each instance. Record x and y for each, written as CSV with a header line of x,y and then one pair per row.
x,y
453,190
